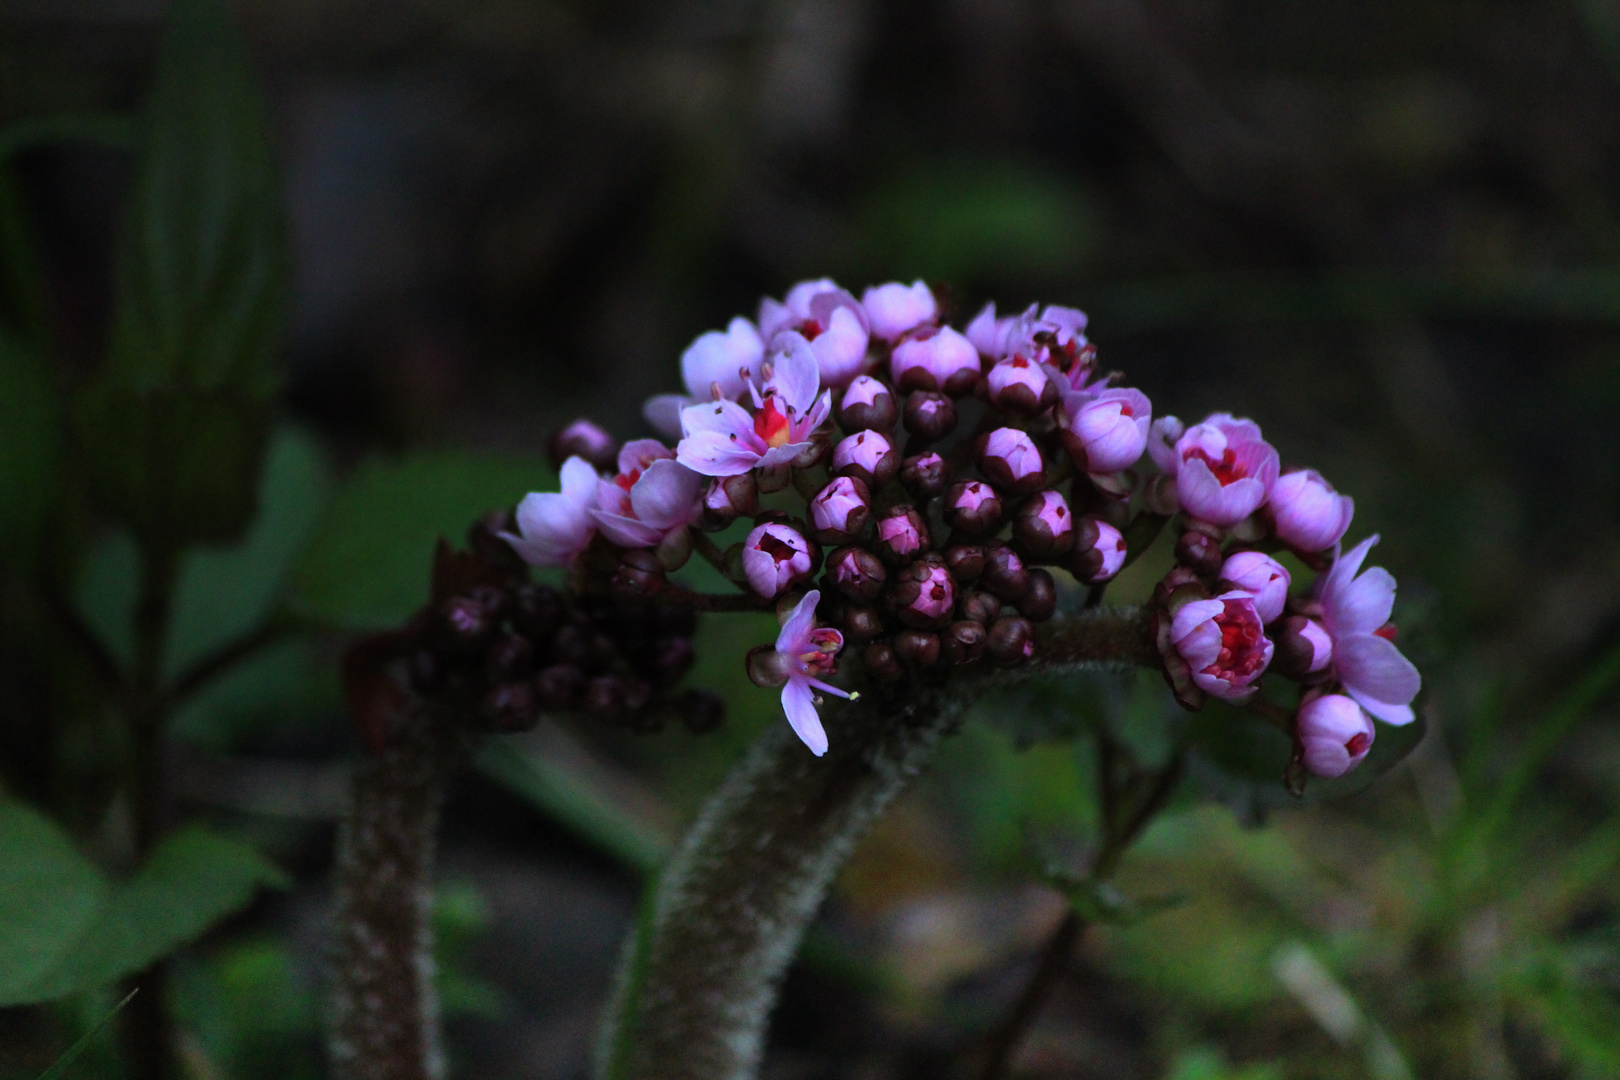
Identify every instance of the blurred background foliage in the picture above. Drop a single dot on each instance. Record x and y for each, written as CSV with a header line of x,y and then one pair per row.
x,y
1389,231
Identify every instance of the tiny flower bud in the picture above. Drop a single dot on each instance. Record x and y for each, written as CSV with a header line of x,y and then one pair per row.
x,y
861,622
1004,573
1017,384
1099,552
924,594
537,611
929,415
1306,512
981,607
584,439
933,359
510,707
965,561
766,667
1304,648
1262,577
471,617
856,573
509,657
840,510
1011,460
917,648
1040,602
674,549
670,659
728,498
902,534
702,711
1335,734
558,686
963,642
1199,552
1043,527
575,644
972,507
867,405
775,557
1011,640
640,576
881,661
868,456
924,475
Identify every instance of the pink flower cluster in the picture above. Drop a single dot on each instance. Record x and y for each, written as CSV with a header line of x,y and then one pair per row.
x,y
956,477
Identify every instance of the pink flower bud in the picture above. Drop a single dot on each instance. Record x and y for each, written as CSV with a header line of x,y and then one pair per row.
x,y
940,360
586,440
1335,734
774,558
856,573
1044,527
1099,551
1262,577
1224,643
867,404
1018,385
895,308
924,595
868,456
929,415
989,334
1307,513
1010,459
902,534
973,507
840,510
1107,431
924,475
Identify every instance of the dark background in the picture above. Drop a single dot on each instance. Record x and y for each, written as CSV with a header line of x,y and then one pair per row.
x,y
1389,231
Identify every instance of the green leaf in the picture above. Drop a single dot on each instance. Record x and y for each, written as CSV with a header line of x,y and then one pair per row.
x,y
225,594
368,566
202,265
65,928
30,450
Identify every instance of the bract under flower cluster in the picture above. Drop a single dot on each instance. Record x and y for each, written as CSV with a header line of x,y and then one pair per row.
x,y
955,477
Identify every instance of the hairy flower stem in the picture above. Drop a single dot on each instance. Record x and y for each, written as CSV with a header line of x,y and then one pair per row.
x,y
698,981
385,1015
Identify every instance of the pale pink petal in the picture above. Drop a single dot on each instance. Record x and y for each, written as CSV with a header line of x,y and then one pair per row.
x,y
717,357
798,702
1377,675
1346,566
640,453
795,635
666,495
626,531
726,417
1162,438
781,455
1363,605
715,454
578,481
663,413
797,376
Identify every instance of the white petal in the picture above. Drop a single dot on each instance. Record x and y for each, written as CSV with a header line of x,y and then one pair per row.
x,y
798,702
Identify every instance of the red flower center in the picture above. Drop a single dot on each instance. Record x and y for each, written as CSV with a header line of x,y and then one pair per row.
x,y
628,480
1241,654
1226,468
1387,632
770,425
811,329
776,548
1357,743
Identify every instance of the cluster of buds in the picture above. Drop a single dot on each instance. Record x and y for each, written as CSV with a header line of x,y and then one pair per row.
x,y
922,494
509,650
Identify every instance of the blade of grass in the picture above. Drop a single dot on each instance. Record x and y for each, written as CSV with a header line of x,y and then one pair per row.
x,y
73,1052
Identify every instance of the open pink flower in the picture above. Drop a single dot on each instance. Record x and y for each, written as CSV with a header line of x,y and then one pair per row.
x,y
724,439
652,496
725,360
803,654
775,557
1355,613
830,319
1224,643
553,527
1334,734
1223,469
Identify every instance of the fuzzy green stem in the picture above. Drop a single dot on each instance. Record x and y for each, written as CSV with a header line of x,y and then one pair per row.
x,y
698,981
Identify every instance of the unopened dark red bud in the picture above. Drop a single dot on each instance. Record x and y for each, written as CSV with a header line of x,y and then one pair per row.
x,y
702,711
1043,526
972,507
640,576
867,404
963,642
468,621
427,672
917,648
881,661
487,546
537,611
965,561
1199,553
1040,602
509,657
981,607
605,698
924,475
1011,640
1004,573
856,573
671,658
511,706
861,622
902,535
1177,581
584,439
929,415
558,687
575,644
